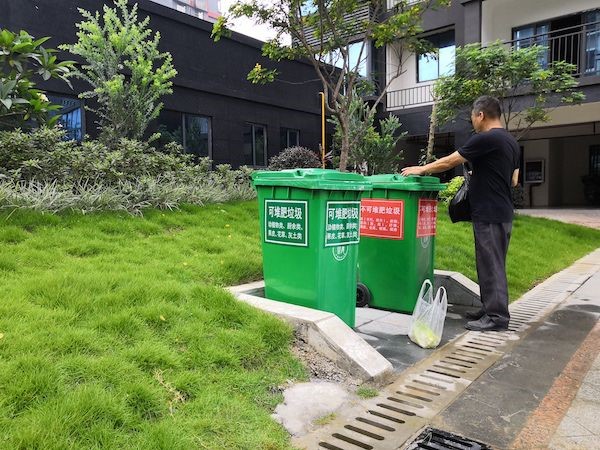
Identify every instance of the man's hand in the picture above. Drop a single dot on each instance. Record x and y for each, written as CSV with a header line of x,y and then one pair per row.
x,y
441,165
414,170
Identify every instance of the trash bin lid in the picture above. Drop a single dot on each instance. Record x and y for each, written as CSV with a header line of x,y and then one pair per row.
x,y
409,183
324,179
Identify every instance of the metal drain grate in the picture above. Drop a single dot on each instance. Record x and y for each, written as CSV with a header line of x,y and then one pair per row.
x,y
416,397
432,439
422,391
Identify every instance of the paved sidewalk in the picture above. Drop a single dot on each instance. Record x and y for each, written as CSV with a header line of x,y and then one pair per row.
x,y
589,217
580,428
544,392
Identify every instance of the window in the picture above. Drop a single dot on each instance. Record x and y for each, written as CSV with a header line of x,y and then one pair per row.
x,y
595,160
192,132
431,66
289,138
196,135
255,145
357,60
536,34
592,41
71,116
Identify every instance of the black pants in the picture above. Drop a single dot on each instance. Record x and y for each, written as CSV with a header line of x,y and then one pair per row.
x,y
491,246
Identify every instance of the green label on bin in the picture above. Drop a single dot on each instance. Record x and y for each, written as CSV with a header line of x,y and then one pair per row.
x,y
343,223
286,222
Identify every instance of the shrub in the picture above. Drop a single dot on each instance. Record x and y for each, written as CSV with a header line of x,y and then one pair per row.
x,y
41,171
44,155
24,60
451,190
127,72
370,151
294,158
130,196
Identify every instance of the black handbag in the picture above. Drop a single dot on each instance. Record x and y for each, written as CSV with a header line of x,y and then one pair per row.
x,y
460,207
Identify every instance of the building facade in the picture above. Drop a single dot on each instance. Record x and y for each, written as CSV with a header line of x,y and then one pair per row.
x,y
202,9
214,110
559,155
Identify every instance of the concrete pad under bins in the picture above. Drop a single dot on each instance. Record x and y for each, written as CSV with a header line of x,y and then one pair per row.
x,y
326,334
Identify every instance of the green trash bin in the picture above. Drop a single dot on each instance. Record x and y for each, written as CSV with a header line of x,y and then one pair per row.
x,y
398,227
310,229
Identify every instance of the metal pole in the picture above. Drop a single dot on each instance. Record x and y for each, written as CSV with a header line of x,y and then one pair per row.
x,y
322,94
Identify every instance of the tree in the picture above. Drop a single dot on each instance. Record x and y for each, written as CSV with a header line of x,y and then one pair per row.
x,y
22,58
334,36
518,77
371,152
123,65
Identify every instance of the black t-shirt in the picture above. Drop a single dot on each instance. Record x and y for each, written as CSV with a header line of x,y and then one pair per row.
x,y
494,155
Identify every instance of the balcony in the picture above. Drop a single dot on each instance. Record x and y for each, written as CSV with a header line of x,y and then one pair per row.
x,y
410,97
578,45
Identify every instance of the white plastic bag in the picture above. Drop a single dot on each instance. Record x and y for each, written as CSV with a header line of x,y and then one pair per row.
x,y
427,323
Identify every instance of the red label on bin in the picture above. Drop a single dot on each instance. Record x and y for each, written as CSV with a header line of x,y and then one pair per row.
x,y
427,218
382,218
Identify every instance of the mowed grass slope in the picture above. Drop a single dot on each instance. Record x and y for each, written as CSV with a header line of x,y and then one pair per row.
x,y
114,333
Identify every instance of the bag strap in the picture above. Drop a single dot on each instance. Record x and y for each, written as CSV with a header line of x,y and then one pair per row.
x,y
466,174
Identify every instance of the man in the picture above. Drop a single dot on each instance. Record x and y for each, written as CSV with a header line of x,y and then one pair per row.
x,y
494,156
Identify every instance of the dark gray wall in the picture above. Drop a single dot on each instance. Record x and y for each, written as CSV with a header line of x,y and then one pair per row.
x,y
211,76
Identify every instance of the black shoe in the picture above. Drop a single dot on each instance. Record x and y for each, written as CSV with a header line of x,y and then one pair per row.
x,y
475,315
485,324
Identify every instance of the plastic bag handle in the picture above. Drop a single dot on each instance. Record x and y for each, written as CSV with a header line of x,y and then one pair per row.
x,y
423,290
441,295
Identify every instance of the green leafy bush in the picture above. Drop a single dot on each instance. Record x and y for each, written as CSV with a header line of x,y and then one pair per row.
x,y
41,171
44,155
126,70
294,158
453,186
370,152
22,60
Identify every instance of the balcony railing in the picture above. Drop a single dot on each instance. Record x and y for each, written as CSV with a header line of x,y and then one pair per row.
x,y
410,97
579,45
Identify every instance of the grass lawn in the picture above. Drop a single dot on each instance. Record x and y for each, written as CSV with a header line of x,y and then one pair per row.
x,y
115,333
538,249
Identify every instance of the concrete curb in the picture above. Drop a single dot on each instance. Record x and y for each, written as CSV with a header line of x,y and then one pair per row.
x,y
326,333
461,290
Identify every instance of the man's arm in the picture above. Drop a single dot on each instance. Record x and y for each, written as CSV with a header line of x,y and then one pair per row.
x,y
515,178
441,165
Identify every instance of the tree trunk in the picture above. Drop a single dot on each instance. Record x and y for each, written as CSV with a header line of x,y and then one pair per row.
x,y
345,145
431,139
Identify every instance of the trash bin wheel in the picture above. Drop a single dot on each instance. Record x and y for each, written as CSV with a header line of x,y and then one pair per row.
x,y
363,295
